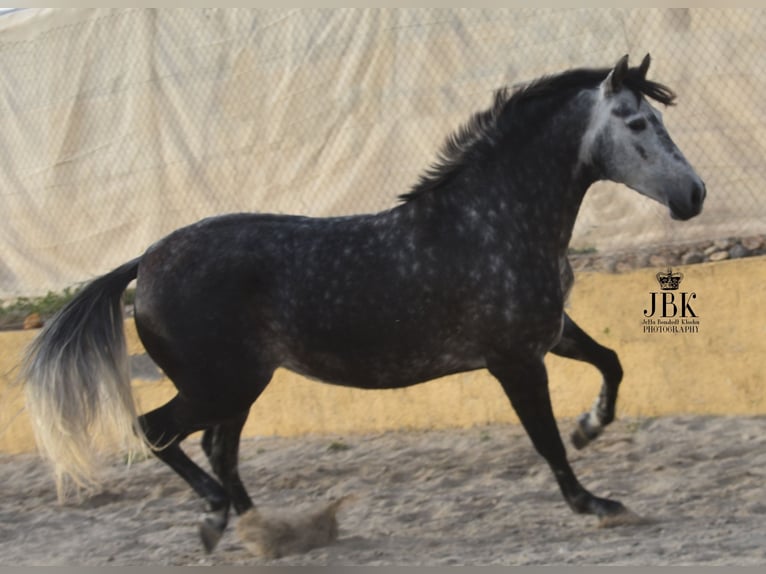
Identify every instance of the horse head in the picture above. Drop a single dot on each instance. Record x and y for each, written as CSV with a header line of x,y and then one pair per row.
x,y
626,141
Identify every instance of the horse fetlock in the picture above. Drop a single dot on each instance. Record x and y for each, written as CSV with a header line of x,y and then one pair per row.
x,y
586,431
580,502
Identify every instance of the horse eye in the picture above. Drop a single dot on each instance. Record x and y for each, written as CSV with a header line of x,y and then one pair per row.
x,y
637,125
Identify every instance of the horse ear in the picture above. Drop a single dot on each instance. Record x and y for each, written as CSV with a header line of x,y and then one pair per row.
x,y
613,82
644,67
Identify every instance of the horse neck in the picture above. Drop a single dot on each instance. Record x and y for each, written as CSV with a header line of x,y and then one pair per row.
x,y
533,187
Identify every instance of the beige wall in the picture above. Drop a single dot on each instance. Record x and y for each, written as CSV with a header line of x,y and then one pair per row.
x,y
716,371
118,126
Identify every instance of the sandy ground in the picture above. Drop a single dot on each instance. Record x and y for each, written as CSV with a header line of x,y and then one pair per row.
x,y
478,496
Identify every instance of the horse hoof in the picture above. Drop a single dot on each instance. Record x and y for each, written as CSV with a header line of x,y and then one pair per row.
x,y
582,437
211,529
579,439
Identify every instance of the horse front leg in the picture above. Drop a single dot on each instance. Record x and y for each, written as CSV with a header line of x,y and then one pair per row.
x,y
577,344
525,382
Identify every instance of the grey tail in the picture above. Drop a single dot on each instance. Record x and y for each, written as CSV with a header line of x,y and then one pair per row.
x,y
76,378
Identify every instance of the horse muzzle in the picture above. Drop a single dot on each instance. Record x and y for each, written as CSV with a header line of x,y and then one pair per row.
x,y
689,206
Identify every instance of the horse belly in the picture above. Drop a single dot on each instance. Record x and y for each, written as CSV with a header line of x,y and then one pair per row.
x,y
382,370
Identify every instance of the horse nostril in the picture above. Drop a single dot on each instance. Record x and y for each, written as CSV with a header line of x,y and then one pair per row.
x,y
698,195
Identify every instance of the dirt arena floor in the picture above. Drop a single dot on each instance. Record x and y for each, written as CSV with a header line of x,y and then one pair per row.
x,y
477,496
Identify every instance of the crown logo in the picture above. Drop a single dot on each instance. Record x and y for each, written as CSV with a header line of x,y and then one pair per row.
x,y
669,281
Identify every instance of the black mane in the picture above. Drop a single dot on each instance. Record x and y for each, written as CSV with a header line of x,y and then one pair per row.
x,y
487,127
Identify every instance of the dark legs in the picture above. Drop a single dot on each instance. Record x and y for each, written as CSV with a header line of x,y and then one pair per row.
x,y
221,445
576,344
170,424
525,381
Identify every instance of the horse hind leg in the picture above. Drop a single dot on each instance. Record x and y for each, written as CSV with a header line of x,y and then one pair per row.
x,y
165,428
577,344
221,445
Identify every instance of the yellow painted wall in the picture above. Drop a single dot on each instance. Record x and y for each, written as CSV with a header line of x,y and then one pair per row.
x,y
719,370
